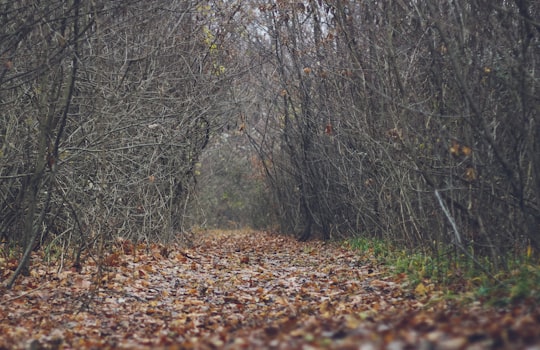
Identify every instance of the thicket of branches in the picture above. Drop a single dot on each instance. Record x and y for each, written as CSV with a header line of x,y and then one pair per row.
x,y
410,121
403,120
105,108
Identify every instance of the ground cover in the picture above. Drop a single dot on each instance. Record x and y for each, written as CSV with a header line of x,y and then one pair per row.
x,y
242,290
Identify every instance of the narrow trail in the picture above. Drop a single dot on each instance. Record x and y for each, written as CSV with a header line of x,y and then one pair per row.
x,y
247,290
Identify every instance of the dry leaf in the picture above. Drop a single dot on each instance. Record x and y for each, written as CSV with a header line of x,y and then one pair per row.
x,y
420,290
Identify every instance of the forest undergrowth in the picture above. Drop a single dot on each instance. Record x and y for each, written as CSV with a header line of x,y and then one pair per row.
x,y
247,290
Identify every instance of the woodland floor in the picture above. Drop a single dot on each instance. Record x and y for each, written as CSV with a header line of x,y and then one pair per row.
x,y
246,290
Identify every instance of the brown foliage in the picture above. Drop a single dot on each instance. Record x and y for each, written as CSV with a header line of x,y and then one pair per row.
x,y
238,290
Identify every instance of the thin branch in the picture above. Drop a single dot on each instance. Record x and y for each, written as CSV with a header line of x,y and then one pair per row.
x,y
457,241
449,217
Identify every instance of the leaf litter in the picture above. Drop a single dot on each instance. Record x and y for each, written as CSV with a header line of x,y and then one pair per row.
x,y
247,290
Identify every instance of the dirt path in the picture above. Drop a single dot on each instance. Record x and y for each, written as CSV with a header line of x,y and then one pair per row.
x,y
239,290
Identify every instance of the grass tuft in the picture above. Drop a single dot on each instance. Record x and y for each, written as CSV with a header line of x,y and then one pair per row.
x,y
457,275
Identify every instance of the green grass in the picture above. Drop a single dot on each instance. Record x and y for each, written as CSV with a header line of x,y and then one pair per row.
x,y
458,275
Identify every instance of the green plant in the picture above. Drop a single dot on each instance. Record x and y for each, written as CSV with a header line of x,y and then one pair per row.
x,y
376,247
458,275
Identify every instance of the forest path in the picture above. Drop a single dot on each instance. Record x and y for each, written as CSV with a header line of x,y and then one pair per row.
x,y
255,290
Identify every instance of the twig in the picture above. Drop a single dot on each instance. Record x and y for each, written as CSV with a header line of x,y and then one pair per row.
x,y
188,256
449,217
3,302
458,238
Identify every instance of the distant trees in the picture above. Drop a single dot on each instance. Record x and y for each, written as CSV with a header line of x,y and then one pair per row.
x,y
415,122
230,192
